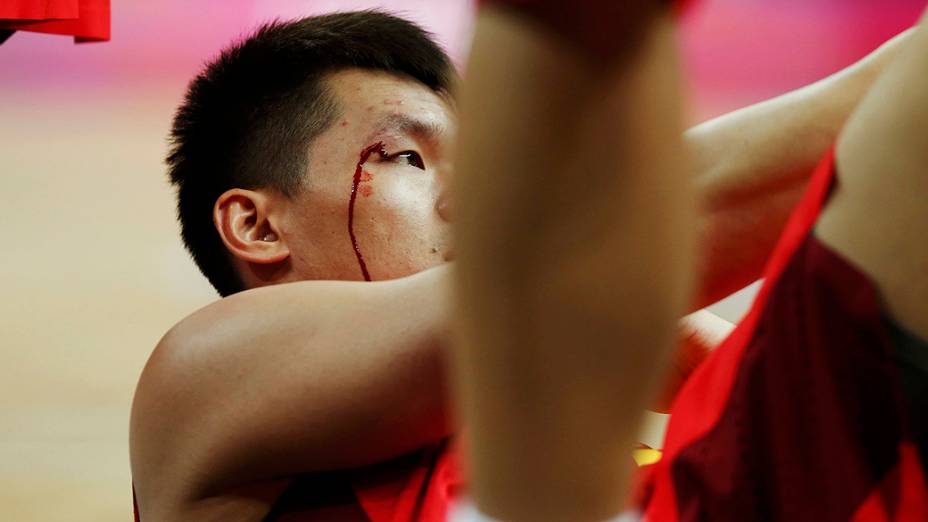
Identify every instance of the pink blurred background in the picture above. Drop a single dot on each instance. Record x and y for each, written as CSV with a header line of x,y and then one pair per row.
x,y
736,50
92,270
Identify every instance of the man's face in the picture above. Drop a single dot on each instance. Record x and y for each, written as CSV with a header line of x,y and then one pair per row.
x,y
399,217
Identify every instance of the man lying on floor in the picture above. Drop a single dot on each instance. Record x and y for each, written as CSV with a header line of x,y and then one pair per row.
x,y
310,157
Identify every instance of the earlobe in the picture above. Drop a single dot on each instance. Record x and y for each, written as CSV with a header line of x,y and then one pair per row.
x,y
244,221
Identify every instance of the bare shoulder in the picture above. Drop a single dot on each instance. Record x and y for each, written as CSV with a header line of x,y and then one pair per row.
x,y
176,412
201,360
265,384
878,215
163,441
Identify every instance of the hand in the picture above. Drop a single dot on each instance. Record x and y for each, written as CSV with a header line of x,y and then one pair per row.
x,y
699,334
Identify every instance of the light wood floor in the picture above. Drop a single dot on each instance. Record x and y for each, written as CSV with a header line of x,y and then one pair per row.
x,y
91,275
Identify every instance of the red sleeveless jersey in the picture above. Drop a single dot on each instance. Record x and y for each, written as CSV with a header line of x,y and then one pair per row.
x,y
418,487
799,414
415,488
423,494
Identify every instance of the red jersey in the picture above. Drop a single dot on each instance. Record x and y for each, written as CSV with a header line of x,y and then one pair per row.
x,y
423,493
418,487
799,414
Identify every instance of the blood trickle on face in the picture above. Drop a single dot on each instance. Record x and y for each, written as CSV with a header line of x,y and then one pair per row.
x,y
364,186
396,229
360,175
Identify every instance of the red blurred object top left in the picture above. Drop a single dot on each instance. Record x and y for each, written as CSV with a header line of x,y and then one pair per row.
x,y
85,20
39,9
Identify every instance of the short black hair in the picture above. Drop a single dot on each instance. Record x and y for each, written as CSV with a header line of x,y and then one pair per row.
x,y
248,119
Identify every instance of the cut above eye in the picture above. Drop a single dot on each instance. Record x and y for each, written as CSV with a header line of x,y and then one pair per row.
x,y
409,157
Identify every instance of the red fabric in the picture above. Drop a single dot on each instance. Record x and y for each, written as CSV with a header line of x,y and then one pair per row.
x,y
901,487
797,415
422,495
419,487
38,9
692,350
91,21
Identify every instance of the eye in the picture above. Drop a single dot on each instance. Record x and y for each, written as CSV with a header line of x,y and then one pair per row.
x,y
409,157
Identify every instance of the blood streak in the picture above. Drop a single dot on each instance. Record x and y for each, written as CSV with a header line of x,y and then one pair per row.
x,y
365,155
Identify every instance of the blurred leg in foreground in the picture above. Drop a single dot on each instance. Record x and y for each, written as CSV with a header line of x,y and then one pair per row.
x,y
574,240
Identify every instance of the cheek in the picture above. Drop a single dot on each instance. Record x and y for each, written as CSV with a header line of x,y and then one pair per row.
x,y
401,209
365,184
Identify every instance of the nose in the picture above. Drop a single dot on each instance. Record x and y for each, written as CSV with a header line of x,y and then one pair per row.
x,y
443,205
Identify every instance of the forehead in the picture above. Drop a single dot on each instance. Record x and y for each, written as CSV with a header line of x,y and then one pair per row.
x,y
376,97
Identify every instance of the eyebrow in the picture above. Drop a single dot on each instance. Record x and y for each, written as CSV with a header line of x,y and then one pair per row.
x,y
427,130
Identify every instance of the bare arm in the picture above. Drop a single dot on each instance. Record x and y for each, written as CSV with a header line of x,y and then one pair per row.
x,y
752,166
697,335
290,379
878,214
273,345
574,254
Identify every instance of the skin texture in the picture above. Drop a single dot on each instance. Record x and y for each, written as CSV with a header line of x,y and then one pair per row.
x,y
546,425
878,213
586,245
326,334
401,222
698,334
333,355
330,359
549,427
752,165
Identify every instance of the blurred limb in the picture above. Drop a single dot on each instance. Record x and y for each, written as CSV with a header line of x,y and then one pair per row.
x,y
698,334
877,217
574,245
752,166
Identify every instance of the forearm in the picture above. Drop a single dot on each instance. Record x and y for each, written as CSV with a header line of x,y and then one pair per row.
x,y
572,265
877,214
752,167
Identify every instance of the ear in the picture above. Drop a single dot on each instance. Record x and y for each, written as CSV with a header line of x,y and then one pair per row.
x,y
248,229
